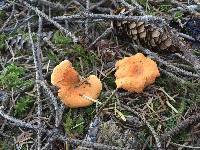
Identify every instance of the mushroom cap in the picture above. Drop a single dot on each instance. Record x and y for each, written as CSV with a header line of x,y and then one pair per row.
x,y
73,97
64,74
74,92
135,73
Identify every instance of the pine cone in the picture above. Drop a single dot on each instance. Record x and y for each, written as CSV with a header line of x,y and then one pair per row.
x,y
150,35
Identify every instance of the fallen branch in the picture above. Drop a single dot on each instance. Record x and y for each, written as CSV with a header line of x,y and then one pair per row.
x,y
38,66
155,135
89,144
173,76
9,19
108,31
138,8
146,18
106,102
40,13
182,126
184,146
53,100
51,4
161,61
17,122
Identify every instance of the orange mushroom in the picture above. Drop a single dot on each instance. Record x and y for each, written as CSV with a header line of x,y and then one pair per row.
x,y
74,92
135,73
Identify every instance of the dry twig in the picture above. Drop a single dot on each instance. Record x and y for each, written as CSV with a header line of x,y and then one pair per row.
x,y
40,13
185,124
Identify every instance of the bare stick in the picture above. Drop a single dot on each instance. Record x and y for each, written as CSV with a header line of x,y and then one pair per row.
x,y
87,12
6,6
53,100
39,77
156,137
137,7
106,102
40,13
51,4
170,66
91,136
146,18
182,126
36,55
184,146
187,37
38,67
8,20
90,144
108,31
17,122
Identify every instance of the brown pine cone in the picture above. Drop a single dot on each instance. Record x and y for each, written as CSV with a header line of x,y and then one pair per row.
x,y
156,37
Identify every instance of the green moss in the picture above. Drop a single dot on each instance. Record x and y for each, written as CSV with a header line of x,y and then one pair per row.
x,y
79,125
170,123
90,111
25,35
68,122
182,107
168,84
181,138
2,14
59,38
173,87
152,12
85,55
143,138
85,58
11,77
142,2
2,41
178,15
73,125
165,7
110,81
52,56
23,105
5,144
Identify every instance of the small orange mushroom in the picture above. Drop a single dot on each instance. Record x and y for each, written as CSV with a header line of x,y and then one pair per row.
x,y
74,92
135,73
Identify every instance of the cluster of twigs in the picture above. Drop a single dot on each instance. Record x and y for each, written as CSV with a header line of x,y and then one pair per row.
x,y
37,9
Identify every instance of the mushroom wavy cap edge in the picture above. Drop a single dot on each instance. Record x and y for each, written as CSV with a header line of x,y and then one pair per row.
x,y
136,72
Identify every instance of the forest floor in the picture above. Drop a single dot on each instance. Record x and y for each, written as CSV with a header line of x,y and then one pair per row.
x,y
36,35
